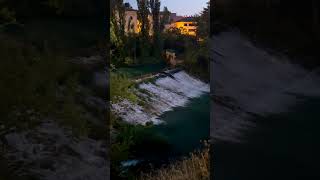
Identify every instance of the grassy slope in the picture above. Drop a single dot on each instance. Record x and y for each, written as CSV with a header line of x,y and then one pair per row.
x,y
196,167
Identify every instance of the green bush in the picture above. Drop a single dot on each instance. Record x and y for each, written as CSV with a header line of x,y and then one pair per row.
x,y
120,88
196,59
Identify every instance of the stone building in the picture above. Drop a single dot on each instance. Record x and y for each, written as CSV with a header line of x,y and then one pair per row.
x,y
187,25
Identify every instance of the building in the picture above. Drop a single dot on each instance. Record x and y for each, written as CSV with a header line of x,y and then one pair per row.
x,y
132,24
174,17
187,26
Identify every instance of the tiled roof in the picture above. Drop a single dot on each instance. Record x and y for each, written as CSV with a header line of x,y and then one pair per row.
x,y
186,19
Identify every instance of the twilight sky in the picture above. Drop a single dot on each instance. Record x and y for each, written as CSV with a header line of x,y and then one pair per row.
x,y
181,7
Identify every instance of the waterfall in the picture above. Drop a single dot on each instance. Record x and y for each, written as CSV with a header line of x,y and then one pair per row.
x,y
159,96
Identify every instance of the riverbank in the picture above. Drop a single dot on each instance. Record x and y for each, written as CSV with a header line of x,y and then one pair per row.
x,y
195,167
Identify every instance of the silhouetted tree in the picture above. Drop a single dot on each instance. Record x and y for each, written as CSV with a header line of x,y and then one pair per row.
x,y
165,19
155,10
143,12
203,22
118,18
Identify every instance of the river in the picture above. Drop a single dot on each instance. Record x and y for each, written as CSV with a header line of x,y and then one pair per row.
x,y
179,107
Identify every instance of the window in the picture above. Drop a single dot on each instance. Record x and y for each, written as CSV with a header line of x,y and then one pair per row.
x,y
185,24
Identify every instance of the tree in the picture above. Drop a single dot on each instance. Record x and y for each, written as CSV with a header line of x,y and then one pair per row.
x,y
143,12
203,22
165,19
118,18
155,9
117,30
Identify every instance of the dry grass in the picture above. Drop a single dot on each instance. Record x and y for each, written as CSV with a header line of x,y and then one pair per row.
x,y
196,167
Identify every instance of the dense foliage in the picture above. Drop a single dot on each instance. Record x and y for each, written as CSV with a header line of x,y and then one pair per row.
x,y
165,19
128,48
143,13
203,21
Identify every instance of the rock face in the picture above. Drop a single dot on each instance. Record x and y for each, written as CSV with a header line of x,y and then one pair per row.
x,y
51,152
248,81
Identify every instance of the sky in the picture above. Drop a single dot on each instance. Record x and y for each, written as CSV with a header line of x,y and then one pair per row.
x,y
181,7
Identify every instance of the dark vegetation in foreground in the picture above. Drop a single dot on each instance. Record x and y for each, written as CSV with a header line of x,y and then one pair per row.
x,y
291,27
38,78
195,167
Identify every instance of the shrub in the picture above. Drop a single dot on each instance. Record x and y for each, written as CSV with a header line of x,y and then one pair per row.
x,y
120,88
196,59
196,167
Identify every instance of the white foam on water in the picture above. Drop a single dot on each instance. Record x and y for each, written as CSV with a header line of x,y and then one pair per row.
x,y
133,113
185,84
129,163
161,96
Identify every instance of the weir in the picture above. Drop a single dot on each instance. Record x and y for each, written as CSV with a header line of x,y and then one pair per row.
x,y
160,93
165,72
